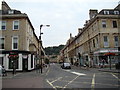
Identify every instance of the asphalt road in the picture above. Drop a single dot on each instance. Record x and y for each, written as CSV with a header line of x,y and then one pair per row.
x,y
55,77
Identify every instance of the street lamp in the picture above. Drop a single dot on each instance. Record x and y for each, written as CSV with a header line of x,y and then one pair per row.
x,y
41,43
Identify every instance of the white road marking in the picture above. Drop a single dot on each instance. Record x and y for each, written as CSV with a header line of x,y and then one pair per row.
x,y
115,76
77,73
93,81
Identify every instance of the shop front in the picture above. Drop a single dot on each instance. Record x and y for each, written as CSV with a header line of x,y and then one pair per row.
x,y
18,60
106,57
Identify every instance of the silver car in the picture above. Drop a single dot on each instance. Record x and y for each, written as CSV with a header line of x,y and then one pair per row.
x,y
66,66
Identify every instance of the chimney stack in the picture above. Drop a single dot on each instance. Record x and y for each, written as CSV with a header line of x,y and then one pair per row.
x,y
79,30
92,13
70,35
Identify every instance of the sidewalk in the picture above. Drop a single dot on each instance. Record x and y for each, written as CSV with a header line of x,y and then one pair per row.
x,y
113,70
30,73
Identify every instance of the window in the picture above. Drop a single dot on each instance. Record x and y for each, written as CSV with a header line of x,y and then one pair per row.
x,y
106,12
15,25
2,25
104,24
116,12
114,24
13,63
94,43
116,41
2,43
15,43
1,60
10,11
106,44
97,42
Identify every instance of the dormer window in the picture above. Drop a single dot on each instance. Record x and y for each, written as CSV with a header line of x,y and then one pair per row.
x,y
106,12
11,12
116,12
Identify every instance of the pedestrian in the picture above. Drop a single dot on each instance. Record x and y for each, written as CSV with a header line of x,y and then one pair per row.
x,y
103,62
4,71
87,64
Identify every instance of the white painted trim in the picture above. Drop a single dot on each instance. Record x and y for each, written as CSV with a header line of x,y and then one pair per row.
x,y
20,62
17,42
29,62
18,24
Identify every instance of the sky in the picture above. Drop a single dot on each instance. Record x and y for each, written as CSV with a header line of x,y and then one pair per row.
x,y
63,16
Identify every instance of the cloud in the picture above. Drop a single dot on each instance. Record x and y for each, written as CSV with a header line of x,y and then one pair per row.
x,y
59,1
64,16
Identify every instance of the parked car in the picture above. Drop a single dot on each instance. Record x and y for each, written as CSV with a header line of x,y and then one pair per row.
x,y
66,66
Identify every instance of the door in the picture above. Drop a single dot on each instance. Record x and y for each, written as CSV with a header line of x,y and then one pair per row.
x,y
25,64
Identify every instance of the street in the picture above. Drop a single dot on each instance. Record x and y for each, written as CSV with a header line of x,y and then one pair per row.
x,y
55,77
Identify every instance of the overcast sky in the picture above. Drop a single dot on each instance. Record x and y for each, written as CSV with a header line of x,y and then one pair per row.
x,y
63,16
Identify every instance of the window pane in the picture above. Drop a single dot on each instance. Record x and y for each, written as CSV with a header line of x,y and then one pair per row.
x,y
3,25
116,41
15,42
106,44
16,24
13,62
104,24
1,43
105,39
114,24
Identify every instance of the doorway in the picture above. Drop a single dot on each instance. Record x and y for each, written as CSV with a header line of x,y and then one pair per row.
x,y
25,64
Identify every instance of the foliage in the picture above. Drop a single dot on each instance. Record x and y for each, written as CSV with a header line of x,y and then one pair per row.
x,y
55,50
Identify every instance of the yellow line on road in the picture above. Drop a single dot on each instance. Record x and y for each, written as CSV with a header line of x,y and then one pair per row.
x,y
93,81
51,84
56,80
70,82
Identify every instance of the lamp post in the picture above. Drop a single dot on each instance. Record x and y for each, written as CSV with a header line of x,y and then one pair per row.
x,y
41,44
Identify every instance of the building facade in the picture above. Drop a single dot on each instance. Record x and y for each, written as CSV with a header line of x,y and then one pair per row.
x,y
99,38
19,45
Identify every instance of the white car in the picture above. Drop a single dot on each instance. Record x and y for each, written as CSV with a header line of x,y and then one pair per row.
x,y
66,66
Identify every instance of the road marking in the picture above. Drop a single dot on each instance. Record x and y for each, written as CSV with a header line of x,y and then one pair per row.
x,y
47,72
56,80
70,82
51,84
93,81
115,76
77,73
58,86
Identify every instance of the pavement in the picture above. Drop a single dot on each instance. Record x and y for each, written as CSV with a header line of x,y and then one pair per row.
x,y
32,73
113,70
44,71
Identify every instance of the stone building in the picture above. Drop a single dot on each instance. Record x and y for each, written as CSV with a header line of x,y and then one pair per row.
x,y
99,37
19,45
